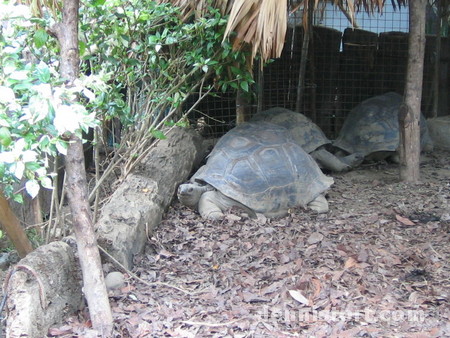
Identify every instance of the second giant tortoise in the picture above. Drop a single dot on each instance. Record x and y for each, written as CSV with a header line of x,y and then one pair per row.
x,y
310,137
372,129
256,167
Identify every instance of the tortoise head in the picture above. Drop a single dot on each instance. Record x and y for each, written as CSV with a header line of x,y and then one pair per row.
x,y
189,193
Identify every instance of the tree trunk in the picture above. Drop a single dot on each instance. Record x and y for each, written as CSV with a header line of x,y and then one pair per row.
x,y
241,106
307,32
409,115
13,229
302,70
77,192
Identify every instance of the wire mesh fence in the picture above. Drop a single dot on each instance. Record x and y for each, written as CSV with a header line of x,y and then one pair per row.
x,y
344,66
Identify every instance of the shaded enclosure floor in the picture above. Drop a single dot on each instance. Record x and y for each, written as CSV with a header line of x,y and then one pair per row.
x,y
378,264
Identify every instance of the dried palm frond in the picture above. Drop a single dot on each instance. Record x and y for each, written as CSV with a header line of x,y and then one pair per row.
x,y
36,6
271,29
368,6
199,7
259,24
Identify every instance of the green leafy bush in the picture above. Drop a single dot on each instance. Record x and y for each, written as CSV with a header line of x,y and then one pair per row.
x,y
36,109
140,62
157,58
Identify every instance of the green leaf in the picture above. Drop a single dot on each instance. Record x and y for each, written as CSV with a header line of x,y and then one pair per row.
x,y
244,86
98,2
183,124
132,62
82,47
5,137
18,198
170,123
158,134
235,70
234,85
32,166
43,74
40,38
46,182
171,40
62,147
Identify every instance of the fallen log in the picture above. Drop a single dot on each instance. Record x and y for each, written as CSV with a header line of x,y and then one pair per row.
x,y
45,286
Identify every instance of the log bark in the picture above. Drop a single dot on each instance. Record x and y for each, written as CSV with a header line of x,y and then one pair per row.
x,y
137,206
42,289
93,280
409,115
50,276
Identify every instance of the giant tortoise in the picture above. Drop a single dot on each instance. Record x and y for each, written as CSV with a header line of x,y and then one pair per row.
x,y
310,137
256,167
372,129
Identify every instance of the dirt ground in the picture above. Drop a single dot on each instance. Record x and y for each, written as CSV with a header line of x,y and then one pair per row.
x,y
377,265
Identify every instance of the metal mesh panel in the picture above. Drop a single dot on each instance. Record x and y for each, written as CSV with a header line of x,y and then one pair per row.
x,y
344,67
215,114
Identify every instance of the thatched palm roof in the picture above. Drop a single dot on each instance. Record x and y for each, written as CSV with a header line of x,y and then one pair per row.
x,y
258,24
261,24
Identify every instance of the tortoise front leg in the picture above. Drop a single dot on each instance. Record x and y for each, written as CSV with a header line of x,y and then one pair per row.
x,y
320,204
209,206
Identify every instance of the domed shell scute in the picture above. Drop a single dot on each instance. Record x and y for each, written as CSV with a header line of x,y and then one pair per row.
x,y
260,166
304,131
372,126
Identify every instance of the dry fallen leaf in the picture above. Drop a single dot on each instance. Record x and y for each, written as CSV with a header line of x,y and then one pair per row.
x,y
317,286
233,217
315,237
350,263
63,330
298,297
165,253
239,268
404,220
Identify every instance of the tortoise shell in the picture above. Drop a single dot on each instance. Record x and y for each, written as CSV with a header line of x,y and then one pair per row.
x,y
304,131
262,167
372,126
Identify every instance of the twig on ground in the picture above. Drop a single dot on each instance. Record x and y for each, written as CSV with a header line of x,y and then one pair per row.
x,y
115,261
189,322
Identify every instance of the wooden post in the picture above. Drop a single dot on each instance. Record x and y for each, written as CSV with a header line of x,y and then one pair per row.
x,y
13,229
409,114
437,60
302,71
260,84
304,56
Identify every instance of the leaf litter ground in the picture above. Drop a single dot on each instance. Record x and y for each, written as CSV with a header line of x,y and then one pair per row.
x,y
378,264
